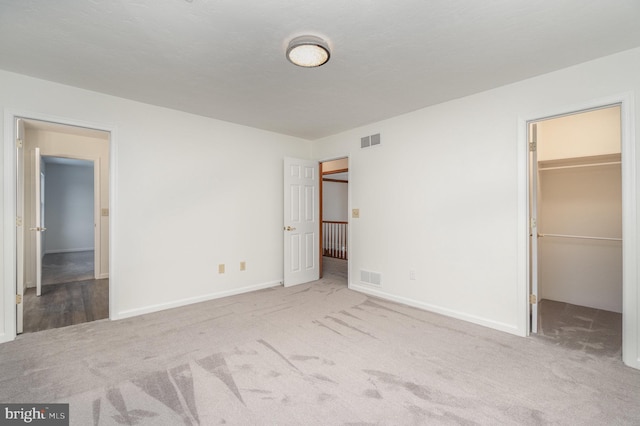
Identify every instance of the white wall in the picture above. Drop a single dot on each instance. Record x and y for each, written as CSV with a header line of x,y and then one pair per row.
x,y
190,192
335,201
441,195
69,208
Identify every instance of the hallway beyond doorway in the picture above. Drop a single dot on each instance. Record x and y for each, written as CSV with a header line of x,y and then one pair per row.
x,y
67,267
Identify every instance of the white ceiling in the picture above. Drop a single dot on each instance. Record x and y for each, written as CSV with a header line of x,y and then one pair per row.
x,y
225,59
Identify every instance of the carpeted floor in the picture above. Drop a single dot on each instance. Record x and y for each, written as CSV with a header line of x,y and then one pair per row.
x,y
588,330
314,354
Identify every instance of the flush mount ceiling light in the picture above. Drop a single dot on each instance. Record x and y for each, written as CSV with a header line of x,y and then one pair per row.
x,y
308,51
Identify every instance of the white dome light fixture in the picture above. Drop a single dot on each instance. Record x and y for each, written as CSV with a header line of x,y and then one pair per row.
x,y
308,51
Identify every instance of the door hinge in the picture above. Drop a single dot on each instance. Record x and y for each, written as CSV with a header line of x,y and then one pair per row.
x,y
533,142
18,299
18,221
19,143
533,299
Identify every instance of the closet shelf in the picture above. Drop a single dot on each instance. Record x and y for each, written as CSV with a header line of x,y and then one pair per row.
x,y
577,162
581,237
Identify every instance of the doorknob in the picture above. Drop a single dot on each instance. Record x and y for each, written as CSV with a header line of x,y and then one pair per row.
x,y
37,228
289,228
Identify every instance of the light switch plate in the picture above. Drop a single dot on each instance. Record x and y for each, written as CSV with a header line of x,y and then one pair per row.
x,y
221,268
355,213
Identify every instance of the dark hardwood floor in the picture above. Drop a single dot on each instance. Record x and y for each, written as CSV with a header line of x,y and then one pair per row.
x,y
66,304
66,267
70,295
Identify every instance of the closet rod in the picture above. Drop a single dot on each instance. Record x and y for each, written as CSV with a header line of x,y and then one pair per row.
x,y
575,166
582,237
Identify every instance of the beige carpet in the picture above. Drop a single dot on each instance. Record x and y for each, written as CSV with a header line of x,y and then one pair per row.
x,y
315,354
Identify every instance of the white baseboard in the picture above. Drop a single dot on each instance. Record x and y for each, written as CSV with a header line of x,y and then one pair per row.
x,y
103,276
68,250
508,328
188,301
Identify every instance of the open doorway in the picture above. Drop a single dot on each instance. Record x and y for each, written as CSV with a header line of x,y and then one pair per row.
x,y
63,185
334,214
67,190
576,238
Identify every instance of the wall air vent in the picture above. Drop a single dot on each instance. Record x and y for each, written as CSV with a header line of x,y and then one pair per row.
x,y
372,140
368,277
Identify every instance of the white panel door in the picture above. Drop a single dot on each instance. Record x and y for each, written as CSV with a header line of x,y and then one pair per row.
x,y
20,224
301,223
38,227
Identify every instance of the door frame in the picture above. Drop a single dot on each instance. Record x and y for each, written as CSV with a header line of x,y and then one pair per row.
x,y
532,138
97,260
9,277
349,245
38,177
630,285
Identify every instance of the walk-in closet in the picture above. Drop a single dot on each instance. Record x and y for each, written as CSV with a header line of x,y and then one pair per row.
x,y
579,230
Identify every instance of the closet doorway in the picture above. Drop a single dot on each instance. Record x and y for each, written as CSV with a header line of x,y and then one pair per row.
x,y
576,244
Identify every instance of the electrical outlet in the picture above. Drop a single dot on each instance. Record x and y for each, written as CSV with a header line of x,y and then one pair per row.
x,y
221,268
412,274
243,266
355,213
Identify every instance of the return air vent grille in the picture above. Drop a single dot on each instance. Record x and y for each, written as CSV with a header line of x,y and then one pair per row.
x,y
374,278
372,140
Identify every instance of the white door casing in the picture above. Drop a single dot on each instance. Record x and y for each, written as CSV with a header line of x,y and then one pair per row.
x,y
534,225
10,243
630,239
20,225
301,223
